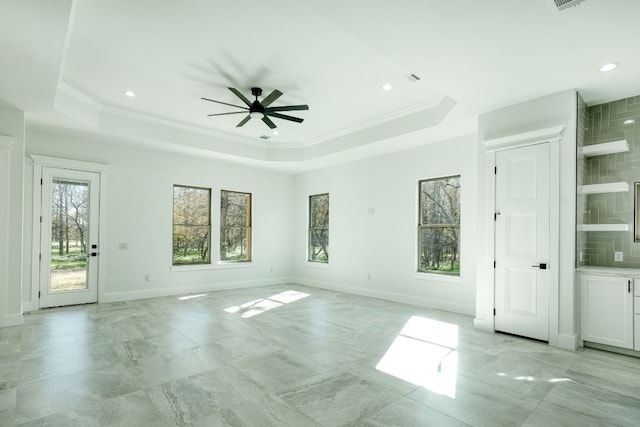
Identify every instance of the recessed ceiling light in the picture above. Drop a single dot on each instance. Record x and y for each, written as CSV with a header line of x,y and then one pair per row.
x,y
387,87
629,122
275,132
609,67
129,93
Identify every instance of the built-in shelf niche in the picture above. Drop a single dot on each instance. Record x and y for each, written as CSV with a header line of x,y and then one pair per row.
x,y
612,147
603,227
611,187
620,146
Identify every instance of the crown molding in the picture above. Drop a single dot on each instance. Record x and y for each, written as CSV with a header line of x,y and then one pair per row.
x,y
7,141
538,136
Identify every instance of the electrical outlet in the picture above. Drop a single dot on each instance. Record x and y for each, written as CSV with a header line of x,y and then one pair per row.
x,y
146,278
618,256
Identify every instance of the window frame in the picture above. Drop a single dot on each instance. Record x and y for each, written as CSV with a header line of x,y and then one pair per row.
x,y
248,228
428,226
173,226
311,229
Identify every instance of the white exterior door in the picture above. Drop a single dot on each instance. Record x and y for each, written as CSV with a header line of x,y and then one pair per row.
x,y
69,237
522,242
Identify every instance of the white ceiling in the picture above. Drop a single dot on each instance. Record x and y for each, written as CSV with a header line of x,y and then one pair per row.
x,y
67,63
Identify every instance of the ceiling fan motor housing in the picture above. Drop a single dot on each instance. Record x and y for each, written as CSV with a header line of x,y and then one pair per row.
x,y
256,107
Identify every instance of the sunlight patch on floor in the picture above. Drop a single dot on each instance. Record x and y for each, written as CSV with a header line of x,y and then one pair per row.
x,y
258,306
188,297
424,354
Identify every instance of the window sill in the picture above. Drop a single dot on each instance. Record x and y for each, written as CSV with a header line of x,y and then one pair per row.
x,y
317,264
217,266
434,277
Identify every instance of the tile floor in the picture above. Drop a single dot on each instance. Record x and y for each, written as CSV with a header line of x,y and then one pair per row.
x,y
294,356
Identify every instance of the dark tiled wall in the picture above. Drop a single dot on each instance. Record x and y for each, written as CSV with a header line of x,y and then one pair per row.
x,y
581,167
605,124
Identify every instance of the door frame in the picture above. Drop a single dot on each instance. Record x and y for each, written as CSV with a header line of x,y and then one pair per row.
x,y
39,163
553,136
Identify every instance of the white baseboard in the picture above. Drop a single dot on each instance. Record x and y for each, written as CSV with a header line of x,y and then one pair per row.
x,y
390,296
28,307
184,290
219,286
11,320
483,324
568,342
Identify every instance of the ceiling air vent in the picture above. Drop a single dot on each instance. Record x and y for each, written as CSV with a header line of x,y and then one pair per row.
x,y
412,78
560,5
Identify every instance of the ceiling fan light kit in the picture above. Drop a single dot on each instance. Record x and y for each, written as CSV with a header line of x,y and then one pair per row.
x,y
260,110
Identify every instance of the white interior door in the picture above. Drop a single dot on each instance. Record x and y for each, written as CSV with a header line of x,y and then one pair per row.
x,y
69,237
522,241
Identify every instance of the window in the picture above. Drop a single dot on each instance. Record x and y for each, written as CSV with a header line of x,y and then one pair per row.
x,y
191,225
319,228
235,226
439,226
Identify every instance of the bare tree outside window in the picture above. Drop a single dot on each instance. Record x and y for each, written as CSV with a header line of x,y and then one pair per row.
x,y
69,234
319,228
235,226
439,226
191,225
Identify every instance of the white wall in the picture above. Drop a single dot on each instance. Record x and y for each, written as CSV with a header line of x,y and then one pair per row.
x,y
373,226
546,112
139,213
12,125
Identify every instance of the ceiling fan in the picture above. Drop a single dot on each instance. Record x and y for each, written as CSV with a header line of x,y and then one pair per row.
x,y
261,110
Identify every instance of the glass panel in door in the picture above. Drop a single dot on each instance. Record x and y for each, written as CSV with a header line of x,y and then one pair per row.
x,y
69,231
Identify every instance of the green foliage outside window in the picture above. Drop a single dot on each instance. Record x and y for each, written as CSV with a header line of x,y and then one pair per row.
x,y
191,225
319,228
235,226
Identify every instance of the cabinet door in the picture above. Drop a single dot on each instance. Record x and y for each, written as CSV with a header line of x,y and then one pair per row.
x,y
607,310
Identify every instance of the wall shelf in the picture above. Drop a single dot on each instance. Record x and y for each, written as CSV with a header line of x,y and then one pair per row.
x,y
612,147
612,187
603,227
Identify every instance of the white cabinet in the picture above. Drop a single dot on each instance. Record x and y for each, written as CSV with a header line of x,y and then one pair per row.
x,y
606,309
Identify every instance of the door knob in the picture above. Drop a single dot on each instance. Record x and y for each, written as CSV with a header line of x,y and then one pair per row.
x,y
541,266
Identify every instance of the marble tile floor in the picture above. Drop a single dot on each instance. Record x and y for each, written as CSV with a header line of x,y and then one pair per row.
x,y
289,355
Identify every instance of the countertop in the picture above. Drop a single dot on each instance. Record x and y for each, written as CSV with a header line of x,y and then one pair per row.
x,y
612,271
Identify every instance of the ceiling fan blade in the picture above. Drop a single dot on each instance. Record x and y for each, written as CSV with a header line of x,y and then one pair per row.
x,y
269,122
245,120
224,114
288,108
272,97
284,116
241,96
225,103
